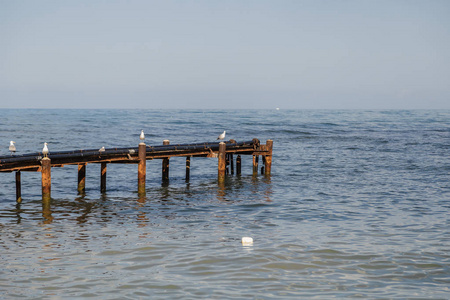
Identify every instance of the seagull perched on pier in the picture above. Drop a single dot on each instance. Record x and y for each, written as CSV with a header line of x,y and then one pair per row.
x,y
102,149
222,136
12,147
45,150
142,136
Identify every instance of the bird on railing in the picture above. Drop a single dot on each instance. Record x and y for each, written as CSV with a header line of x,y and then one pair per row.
x,y
222,136
45,150
12,147
142,136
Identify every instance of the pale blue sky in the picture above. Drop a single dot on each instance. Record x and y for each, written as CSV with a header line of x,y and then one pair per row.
x,y
225,54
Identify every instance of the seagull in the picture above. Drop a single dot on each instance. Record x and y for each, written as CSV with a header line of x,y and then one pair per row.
x,y
102,149
45,150
12,147
222,136
142,136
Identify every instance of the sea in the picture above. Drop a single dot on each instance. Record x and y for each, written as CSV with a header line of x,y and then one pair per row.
x,y
357,206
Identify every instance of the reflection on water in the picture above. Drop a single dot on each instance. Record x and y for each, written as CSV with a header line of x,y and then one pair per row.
x,y
82,208
46,210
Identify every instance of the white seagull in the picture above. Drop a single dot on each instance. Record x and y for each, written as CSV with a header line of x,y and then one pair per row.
x,y
45,150
102,149
142,136
12,147
222,136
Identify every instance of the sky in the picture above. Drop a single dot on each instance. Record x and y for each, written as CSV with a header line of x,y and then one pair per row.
x,y
384,54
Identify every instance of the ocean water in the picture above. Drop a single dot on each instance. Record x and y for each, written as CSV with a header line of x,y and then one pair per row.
x,y
357,206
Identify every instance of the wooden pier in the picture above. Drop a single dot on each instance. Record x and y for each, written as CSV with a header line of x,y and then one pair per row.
x,y
224,151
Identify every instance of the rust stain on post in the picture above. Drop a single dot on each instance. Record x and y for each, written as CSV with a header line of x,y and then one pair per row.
x,y
268,158
46,178
103,178
142,168
222,162
81,177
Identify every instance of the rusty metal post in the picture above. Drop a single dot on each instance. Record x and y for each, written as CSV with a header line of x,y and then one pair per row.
x,y
18,188
227,163
263,157
165,165
231,164
255,164
46,178
238,165
142,167
222,162
268,159
188,167
81,177
103,177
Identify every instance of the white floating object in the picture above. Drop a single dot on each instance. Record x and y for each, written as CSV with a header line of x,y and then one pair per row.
x,y
222,136
278,108
142,136
247,241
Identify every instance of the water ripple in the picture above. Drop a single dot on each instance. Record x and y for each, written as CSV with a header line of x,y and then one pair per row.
x,y
356,207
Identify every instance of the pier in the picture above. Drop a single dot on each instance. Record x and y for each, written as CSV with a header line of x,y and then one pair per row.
x,y
223,151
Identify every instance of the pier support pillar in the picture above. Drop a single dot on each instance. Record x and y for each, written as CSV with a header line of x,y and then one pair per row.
x,y
188,167
222,162
268,158
81,177
46,178
255,164
142,167
18,188
231,164
263,157
103,177
227,163
165,165
238,165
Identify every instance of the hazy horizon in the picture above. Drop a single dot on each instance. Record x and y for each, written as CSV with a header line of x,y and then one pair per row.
x,y
225,55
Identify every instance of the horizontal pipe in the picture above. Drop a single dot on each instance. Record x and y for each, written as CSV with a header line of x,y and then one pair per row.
x,y
80,156
5,159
